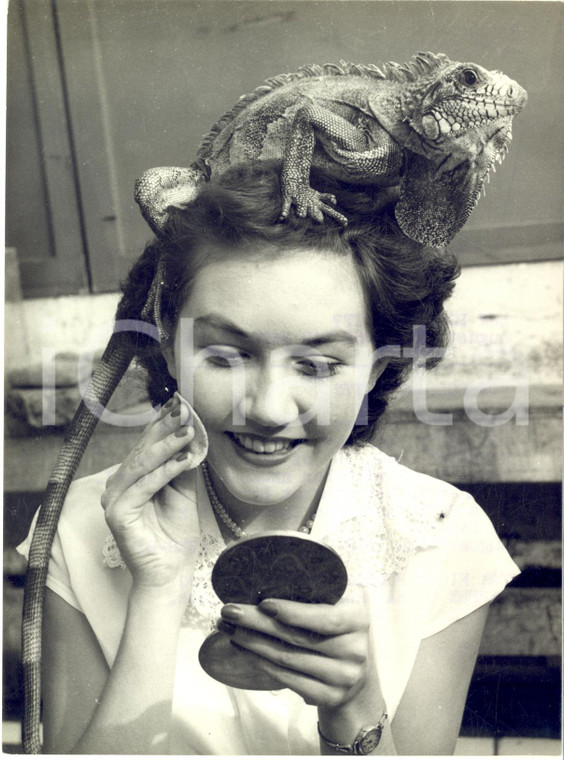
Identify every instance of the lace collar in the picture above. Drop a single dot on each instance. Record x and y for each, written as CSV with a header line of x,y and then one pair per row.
x,y
367,514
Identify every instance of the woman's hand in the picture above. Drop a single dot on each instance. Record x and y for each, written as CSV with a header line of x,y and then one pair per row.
x,y
157,533
320,651
126,709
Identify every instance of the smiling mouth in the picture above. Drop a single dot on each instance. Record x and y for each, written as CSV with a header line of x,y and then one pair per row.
x,y
259,445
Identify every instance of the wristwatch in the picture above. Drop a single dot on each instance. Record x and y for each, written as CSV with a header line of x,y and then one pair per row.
x,y
365,742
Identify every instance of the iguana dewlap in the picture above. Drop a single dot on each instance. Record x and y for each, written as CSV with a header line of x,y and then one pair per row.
x,y
432,126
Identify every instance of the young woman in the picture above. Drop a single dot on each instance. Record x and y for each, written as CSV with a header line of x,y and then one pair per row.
x,y
287,339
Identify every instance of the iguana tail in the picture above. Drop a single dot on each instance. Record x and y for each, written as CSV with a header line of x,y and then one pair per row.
x,y
108,373
112,366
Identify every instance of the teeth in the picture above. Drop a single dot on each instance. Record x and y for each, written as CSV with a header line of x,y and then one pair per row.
x,y
261,446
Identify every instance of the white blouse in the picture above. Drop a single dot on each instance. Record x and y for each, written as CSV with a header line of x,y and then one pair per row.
x,y
423,553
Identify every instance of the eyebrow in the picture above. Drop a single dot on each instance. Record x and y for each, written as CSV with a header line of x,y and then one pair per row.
x,y
219,322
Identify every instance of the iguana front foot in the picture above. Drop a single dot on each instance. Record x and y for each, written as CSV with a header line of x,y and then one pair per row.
x,y
310,202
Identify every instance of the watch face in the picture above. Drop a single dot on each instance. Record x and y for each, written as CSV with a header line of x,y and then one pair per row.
x,y
369,741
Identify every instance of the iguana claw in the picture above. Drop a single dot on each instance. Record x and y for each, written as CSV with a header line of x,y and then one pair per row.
x,y
312,203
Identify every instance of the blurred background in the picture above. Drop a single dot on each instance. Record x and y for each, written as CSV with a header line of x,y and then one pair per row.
x,y
100,90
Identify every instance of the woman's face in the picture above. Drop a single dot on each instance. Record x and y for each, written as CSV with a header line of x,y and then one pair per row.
x,y
275,354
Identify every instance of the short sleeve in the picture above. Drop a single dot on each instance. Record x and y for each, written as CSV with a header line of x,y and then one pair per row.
x,y
58,579
468,569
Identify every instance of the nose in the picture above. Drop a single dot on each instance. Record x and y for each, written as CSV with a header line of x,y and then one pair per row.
x,y
269,399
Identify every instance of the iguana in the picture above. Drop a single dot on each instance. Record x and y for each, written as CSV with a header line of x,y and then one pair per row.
x,y
431,126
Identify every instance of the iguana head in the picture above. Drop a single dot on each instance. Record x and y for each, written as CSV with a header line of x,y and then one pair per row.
x,y
460,117
463,97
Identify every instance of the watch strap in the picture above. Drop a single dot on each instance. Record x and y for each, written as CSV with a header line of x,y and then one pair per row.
x,y
365,741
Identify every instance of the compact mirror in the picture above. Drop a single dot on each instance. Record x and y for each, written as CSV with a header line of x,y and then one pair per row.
x,y
269,565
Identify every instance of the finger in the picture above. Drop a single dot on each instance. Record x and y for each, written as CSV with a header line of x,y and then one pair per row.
x,y
336,672
346,616
163,411
252,619
312,690
159,413
349,645
142,490
146,458
148,485
167,420
175,413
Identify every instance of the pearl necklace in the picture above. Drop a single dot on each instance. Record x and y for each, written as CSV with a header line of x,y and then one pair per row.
x,y
221,512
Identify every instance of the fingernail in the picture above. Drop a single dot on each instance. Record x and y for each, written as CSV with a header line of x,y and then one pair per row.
x,y
225,627
181,432
171,403
231,612
182,456
269,608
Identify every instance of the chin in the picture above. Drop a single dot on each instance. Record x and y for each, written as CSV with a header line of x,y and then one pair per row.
x,y
259,491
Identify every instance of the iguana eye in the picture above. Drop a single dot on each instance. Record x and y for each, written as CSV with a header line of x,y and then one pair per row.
x,y
469,77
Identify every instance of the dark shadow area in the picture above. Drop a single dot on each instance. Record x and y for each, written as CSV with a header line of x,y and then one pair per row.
x,y
515,697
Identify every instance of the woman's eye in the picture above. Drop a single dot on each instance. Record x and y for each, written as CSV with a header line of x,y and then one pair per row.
x,y
225,357
318,367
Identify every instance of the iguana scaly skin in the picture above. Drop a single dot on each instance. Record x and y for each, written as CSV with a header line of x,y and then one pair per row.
x,y
432,126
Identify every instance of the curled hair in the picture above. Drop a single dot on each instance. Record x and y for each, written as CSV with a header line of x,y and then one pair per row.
x,y
405,283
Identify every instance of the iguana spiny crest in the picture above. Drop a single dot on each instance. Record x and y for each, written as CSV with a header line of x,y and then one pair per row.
x,y
432,126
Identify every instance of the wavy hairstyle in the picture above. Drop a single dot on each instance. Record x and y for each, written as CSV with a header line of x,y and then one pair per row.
x,y
405,283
